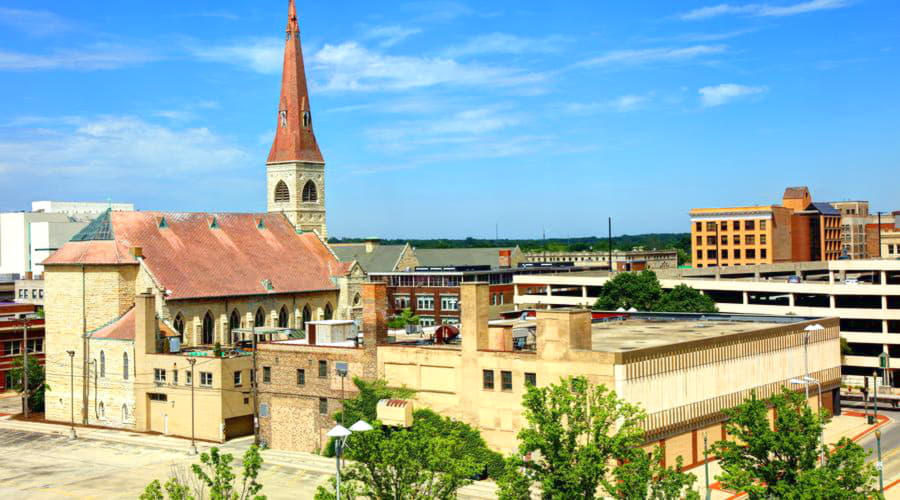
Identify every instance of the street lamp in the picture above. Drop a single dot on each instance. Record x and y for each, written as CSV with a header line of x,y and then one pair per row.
x,y
340,435
72,387
806,381
706,467
806,332
880,464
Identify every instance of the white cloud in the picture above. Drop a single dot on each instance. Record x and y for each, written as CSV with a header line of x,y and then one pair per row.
x,y
108,147
726,92
352,67
764,10
504,43
34,22
656,54
621,104
101,56
390,35
263,55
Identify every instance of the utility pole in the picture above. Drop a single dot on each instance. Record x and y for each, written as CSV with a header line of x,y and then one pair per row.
x,y
72,390
25,391
706,467
193,450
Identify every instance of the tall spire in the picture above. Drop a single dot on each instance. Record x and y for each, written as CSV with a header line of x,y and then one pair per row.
x,y
294,138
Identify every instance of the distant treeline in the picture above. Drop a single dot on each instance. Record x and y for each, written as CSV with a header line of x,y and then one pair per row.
x,y
659,241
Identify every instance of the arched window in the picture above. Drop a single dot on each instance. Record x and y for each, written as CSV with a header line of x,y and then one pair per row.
x,y
328,311
281,192
306,119
310,194
124,412
102,364
208,329
124,366
234,322
307,315
101,410
356,299
179,324
283,317
260,318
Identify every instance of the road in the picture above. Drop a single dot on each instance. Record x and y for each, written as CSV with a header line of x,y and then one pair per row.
x,y
890,440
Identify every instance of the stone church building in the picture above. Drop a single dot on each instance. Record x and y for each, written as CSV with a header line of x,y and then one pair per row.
x,y
142,306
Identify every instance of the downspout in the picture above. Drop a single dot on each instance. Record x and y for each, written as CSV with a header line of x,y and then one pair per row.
x,y
85,373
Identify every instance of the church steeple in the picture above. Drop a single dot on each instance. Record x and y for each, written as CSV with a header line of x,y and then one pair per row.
x,y
295,170
294,138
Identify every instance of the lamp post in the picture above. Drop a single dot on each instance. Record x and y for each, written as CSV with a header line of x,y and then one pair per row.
x,y
806,332
806,381
880,464
340,435
706,467
25,392
72,387
875,396
193,450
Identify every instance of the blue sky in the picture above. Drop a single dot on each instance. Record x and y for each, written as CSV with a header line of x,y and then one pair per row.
x,y
440,118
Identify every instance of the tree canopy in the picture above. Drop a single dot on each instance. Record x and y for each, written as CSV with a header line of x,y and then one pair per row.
x,y
36,383
406,317
780,459
574,436
643,292
212,478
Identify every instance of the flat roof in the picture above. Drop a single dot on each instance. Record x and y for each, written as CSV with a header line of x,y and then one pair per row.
x,y
636,334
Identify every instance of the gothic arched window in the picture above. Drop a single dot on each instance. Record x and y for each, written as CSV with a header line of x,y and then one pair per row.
x,y
234,322
208,327
283,317
307,315
328,311
281,192
306,119
260,318
179,324
310,194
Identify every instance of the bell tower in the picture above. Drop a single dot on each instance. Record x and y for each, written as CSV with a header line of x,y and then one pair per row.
x,y
295,169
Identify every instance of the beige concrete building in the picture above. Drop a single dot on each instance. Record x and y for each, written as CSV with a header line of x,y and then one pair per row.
x,y
682,371
854,217
637,259
208,275
864,294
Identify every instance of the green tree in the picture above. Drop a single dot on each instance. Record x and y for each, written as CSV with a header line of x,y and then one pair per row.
x,y
406,317
781,462
626,290
364,406
36,383
575,431
683,298
431,459
215,479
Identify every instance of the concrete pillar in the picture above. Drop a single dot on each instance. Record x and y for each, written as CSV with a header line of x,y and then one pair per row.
x,y
474,304
830,277
549,287
884,302
747,296
884,277
790,300
831,302
584,291
756,275
884,326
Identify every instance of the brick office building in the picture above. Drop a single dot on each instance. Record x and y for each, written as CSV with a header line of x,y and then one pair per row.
x,y
13,321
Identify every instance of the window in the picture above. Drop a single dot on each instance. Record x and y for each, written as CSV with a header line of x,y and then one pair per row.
x,y
699,254
762,253
749,239
737,253
282,193
306,119
307,315
710,254
762,225
323,406
101,410
506,381
736,239
749,224
425,302
310,194
487,379
124,412
174,376
449,302
401,302
724,254
724,239
260,318
426,320
723,226
188,377
179,324
283,116
283,317
159,375
530,379
207,332
35,345
205,379
237,378
751,253
267,374
41,293
33,293
329,312
449,321
263,410
762,239
234,322
710,240
698,226
323,368
736,225
124,366
710,226
155,396
699,240
301,377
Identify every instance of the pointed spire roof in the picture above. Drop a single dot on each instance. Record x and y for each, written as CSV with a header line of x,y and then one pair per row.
x,y
294,138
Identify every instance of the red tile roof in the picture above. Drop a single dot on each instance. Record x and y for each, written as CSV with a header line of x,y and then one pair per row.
x,y
122,328
294,138
192,257
798,192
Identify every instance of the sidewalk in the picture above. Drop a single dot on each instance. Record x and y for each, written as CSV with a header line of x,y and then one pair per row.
x,y
850,424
